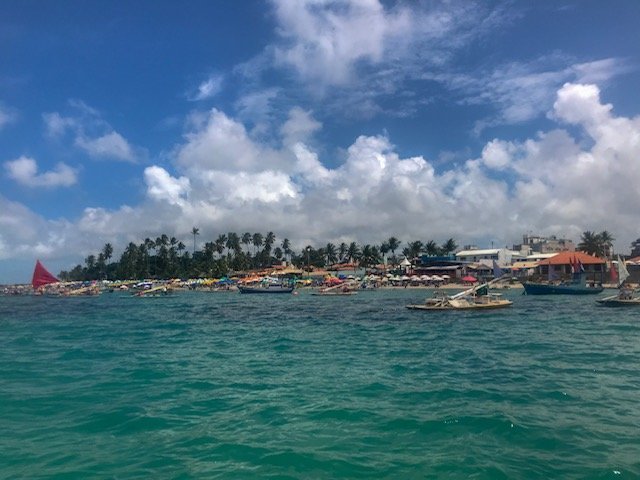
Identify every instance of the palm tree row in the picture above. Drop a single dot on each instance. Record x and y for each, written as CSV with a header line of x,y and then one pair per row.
x,y
167,257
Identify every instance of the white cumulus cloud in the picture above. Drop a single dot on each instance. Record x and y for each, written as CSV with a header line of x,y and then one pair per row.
x,y
24,170
163,187
111,145
561,181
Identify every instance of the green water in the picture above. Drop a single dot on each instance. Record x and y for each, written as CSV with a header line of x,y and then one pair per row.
x,y
231,386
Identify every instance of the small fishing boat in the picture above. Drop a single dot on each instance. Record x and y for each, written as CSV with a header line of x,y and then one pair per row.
x,y
625,297
265,288
158,291
468,301
474,298
340,289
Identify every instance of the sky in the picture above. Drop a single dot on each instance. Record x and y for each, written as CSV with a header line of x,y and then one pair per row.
x,y
319,120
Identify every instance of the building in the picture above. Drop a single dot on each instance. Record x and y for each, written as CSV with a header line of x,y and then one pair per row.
x,y
538,244
503,256
562,266
440,265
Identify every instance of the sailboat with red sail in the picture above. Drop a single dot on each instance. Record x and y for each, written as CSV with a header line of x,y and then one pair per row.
x,y
41,276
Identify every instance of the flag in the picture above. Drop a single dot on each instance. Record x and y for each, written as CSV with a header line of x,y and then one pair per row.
x,y
614,273
576,266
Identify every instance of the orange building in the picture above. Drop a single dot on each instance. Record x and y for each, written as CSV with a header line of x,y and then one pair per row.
x,y
564,264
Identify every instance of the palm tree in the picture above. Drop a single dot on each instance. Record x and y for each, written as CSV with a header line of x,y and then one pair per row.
x,y
107,252
246,239
194,231
449,246
413,249
148,246
233,242
342,251
330,252
221,243
394,244
277,252
431,248
257,241
269,240
370,256
353,252
384,249
591,243
286,248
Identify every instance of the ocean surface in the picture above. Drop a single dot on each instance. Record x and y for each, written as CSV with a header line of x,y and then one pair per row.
x,y
230,386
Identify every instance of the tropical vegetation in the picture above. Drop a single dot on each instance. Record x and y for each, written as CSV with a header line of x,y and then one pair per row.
x,y
168,257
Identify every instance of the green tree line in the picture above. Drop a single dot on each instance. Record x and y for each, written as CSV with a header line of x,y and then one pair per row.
x,y
167,257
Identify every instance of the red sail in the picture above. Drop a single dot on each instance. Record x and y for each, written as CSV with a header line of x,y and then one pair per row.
x,y
41,276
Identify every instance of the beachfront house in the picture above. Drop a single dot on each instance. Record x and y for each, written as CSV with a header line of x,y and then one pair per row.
x,y
564,264
502,256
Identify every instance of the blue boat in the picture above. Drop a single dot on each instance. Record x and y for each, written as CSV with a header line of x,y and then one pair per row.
x,y
576,287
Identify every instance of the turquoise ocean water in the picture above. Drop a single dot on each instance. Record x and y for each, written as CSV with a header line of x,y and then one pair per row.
x,y
230,386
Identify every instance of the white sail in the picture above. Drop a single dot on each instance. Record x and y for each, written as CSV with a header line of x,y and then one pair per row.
x,y
623,273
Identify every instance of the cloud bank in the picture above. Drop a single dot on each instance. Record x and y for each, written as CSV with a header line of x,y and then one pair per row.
x,y
224,180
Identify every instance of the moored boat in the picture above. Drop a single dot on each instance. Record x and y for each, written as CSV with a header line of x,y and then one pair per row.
x,y
474,298
475,302
535,288
625,297
265,288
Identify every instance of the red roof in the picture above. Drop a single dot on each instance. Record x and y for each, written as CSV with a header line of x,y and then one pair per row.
x,y
569,258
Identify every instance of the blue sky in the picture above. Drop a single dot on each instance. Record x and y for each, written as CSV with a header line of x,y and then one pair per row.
x,y
318,120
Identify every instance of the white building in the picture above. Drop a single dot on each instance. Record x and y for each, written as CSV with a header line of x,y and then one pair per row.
x,y
503,256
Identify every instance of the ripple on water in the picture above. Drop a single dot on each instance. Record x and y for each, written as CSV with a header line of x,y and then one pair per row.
x,y
232,386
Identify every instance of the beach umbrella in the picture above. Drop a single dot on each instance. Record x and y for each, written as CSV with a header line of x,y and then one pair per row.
x,y
446,276
469,279
436,278
425,278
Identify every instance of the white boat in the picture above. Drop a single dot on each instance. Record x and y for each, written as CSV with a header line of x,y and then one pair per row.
x,y
625,296
477,297
346,288
468,301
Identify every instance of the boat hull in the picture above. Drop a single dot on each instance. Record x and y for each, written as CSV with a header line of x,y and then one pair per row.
x,y
470,306
618,302
546,289
269,289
